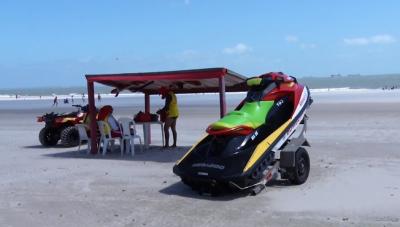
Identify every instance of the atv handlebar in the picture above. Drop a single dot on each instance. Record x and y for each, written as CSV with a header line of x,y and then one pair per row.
x,y
83,108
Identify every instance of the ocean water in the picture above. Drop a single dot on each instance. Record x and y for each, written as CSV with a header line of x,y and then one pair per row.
x,y
324,89
136,101
336,81
353,81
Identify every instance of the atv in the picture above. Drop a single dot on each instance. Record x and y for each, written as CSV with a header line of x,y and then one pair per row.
x,y
62,127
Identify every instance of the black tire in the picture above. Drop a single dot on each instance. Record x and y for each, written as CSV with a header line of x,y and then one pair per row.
x,y
48,136
70,136
299,174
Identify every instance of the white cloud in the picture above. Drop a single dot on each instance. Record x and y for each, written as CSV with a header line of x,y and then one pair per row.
x,y
376,39
383,39
295,40
291,39
308,46
356,41
239,48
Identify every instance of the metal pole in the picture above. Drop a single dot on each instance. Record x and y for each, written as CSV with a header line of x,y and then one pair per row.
x,y
146,127
222,101
92,117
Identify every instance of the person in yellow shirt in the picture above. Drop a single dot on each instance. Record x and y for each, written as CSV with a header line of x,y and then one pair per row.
x,y
172,113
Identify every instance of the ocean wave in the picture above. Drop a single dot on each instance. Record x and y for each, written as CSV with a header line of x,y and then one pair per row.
x,y
341,90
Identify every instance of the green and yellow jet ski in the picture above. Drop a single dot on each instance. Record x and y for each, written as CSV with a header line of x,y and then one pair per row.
x,y
254,144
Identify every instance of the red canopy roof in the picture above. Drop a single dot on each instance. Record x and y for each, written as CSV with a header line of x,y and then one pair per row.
x,y
183,81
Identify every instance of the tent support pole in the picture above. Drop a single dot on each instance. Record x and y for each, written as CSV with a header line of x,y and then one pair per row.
x,y
146,127
222,101
92,117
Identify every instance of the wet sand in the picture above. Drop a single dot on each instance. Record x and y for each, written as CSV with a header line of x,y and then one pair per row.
x,y
354,179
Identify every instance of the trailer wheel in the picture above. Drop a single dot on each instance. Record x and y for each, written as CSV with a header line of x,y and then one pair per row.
x,y
70,136
48,136
299,173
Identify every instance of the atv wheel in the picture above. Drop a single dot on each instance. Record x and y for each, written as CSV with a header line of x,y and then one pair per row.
x,y
299,174
70,136
48,136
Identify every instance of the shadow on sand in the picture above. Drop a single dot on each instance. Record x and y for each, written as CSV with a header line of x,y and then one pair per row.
x,y
180,189
43,147
153,154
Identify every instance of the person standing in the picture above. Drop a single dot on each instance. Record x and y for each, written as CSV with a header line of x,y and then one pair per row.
x,y
98,97
172,114
55,101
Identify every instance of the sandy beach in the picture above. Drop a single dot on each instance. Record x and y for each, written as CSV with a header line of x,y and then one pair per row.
x,y
354,179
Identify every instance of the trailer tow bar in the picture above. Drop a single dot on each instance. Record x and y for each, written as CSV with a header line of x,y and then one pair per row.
x,y
269,174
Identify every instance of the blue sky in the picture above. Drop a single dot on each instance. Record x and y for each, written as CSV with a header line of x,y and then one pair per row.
x,y
54,43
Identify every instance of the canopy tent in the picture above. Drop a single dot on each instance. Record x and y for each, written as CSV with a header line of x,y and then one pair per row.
x,y
209,80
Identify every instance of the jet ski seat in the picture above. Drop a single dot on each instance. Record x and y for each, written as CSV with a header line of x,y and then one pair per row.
x,y
252,112
251,115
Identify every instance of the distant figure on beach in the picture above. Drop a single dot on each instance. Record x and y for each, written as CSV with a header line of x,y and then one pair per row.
x,y
66,101
99,97
83,97
16,96
172,113
72,99
55,101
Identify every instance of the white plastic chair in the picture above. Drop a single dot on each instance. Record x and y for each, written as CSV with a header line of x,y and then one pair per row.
x,y
106,138
129,135
83,136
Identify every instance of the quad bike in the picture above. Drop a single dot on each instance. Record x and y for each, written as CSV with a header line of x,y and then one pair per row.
x,y
62,127
251,146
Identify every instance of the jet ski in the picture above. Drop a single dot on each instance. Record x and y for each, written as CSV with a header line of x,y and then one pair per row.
x,y
261,140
